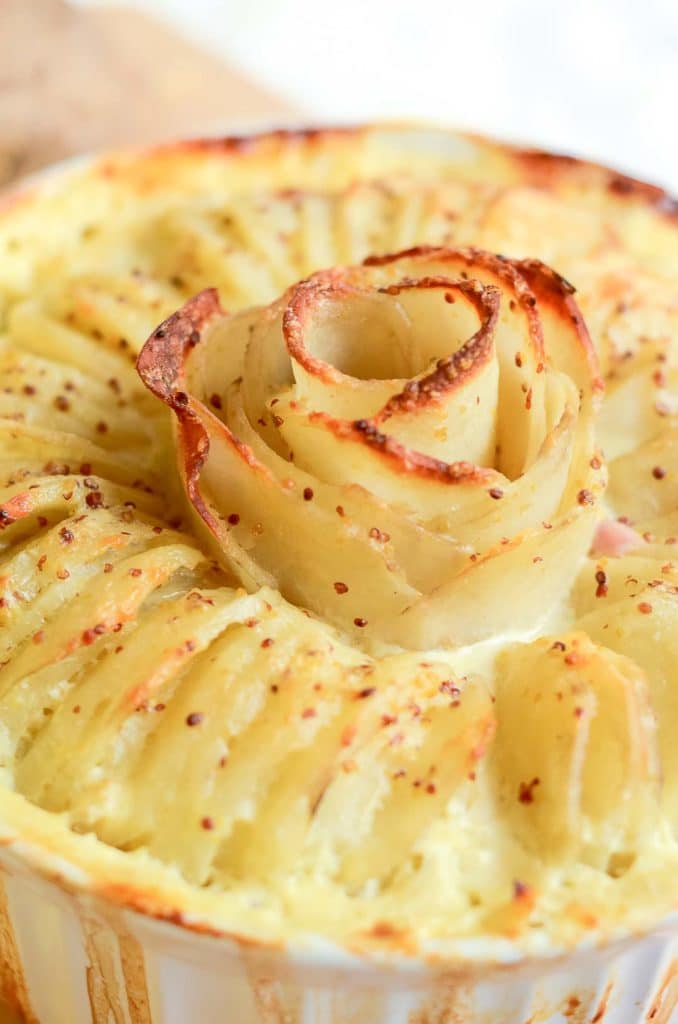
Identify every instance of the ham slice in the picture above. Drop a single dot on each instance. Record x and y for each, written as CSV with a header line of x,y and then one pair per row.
x,y
615,539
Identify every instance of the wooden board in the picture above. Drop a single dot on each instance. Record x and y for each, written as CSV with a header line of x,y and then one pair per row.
x,y
74,80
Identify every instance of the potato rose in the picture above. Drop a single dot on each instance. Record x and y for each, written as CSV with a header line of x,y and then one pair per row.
x,y
405,448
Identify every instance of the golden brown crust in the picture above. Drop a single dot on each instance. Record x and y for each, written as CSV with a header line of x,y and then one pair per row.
x,y
553,289
401,459
531,166
160,363
160,366
452,373
547,169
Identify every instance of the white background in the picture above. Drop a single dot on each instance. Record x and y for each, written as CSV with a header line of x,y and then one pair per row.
x,y
596,78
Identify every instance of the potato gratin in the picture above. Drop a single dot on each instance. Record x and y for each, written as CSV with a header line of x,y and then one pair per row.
x,y
344,601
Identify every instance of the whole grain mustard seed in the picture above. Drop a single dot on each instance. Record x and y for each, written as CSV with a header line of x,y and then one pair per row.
x,y
521,891
449,687
379,535
526,794
601,580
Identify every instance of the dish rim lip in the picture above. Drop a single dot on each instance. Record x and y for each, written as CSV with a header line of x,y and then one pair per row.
x,y
250,138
